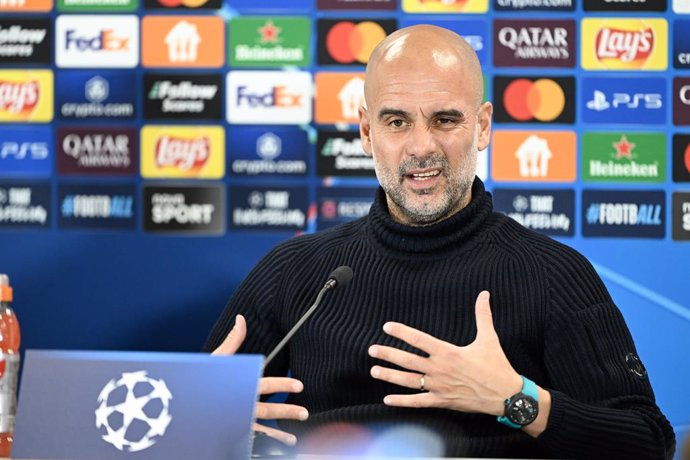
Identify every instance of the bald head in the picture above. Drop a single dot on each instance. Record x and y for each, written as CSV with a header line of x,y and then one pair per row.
x,y
427,48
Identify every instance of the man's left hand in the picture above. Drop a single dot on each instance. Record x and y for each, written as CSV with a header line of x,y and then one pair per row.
x,y
473,378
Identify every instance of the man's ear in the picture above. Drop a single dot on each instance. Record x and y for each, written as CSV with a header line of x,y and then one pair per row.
x,y
484,121
365,130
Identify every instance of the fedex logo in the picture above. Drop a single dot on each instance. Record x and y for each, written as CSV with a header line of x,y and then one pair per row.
x,y
106,40
279,96
269,97
82,41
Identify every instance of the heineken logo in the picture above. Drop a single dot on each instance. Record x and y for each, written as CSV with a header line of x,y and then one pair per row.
x,y
269,42
620,157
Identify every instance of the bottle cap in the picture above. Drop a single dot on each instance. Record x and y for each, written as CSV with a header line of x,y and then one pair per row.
x,y
5,289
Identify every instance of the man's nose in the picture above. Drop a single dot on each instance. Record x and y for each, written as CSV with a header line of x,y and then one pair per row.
x,y
421,141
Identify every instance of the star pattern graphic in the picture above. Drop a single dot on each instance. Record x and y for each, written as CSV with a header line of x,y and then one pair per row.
x,y
623,148
269,32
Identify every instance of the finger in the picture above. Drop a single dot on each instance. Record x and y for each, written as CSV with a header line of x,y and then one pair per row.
x,y
412,336
270,385
282,436
482,311
404,379
416,400
280,411
400,358
234,338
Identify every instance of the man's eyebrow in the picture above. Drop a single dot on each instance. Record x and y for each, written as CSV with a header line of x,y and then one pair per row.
x,y
386,112
454,113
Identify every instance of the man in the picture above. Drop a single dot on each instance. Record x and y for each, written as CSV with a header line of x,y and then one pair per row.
x,y
500,340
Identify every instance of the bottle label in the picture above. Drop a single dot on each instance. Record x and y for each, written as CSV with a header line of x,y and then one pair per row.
x,y
8,391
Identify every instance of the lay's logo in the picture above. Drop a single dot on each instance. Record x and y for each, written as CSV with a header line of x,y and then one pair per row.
x,y
183,152
26,96
624,44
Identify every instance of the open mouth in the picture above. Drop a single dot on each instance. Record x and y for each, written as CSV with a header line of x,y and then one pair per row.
x,y
422,176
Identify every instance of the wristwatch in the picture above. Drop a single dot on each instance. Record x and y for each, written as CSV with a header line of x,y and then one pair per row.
x,y
522,408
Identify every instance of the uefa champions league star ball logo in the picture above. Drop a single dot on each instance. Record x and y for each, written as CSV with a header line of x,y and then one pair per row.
x,y
134,411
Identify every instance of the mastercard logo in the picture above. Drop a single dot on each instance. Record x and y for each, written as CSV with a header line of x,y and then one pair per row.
x,y
348,42
542,99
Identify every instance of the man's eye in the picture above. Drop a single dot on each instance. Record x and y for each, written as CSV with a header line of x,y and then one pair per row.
x,y
397,123
445,121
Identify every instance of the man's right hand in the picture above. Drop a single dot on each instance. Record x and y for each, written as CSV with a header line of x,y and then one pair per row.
x,y
267,385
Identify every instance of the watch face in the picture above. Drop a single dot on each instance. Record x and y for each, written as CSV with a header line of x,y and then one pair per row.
x,y
522,409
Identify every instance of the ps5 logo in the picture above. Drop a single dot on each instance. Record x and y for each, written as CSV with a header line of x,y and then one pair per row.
x,y
20,150
599,102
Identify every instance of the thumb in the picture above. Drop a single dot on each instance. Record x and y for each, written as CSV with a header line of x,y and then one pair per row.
x,y
484,318
234,339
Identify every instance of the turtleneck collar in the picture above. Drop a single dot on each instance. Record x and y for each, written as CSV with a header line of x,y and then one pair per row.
x,y
444,235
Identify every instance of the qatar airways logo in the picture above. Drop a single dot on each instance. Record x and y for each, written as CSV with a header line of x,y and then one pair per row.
x,y
183,153
625,45
18,97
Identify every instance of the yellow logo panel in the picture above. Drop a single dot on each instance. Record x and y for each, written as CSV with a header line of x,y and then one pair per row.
x,y
175,152
445,6
624,44
26,96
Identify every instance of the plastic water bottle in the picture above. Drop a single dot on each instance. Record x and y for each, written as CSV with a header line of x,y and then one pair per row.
x,y
9,366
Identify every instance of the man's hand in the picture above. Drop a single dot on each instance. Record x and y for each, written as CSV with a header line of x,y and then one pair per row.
x,y
267,385
473,378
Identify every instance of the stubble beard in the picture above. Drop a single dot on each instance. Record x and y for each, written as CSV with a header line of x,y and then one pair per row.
x,y
454,196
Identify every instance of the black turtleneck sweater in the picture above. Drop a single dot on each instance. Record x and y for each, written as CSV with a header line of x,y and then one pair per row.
x,y
555,320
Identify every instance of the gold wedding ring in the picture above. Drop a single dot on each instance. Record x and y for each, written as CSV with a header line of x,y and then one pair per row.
x,y
421,383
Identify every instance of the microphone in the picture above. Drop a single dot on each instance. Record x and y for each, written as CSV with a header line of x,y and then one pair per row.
x,y
338,277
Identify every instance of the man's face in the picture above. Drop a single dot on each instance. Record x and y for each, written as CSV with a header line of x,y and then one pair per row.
x,y
424,129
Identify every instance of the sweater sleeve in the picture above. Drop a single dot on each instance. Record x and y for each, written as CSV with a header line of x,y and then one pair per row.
x,y
603,405
255,299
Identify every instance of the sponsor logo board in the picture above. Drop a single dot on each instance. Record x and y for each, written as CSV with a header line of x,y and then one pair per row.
x,y
24,204
183,4
534,43
548,211
357,4
340,153
681,158
474,31
623,157
26,96
193,209
25,6
26,41
96,206
102,95
183,41
534,5
445,6
269,41
276,151
97,151
624,5
534,156
180,96
534,100
182,152
269,208
97,6
337,205
624,44
339,97
252,6
26,151
269,97
97,41
681,44
624,213
681,216
681,101
624,100
350,41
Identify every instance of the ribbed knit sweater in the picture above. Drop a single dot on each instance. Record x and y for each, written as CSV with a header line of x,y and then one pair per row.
x,y
555,320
